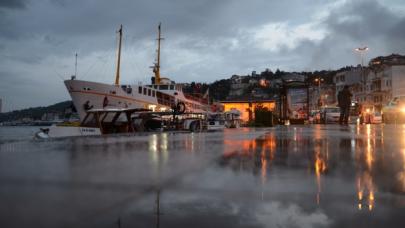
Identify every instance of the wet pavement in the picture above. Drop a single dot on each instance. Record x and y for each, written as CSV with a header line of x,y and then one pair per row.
x,y
287,176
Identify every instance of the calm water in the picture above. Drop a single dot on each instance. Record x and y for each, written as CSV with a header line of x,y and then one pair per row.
x,y
303,176
8,134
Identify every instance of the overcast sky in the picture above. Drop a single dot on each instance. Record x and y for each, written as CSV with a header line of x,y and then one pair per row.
x,y
205,40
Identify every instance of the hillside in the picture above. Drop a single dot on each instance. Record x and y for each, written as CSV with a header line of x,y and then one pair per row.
x,y
35,113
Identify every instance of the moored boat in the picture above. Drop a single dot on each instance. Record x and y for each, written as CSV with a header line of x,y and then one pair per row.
x,y
162,95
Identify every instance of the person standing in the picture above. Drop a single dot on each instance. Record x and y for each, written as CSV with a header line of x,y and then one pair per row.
x,y
344,101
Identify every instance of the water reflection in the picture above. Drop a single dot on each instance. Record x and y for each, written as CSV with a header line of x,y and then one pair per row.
x,y
364,162
357,155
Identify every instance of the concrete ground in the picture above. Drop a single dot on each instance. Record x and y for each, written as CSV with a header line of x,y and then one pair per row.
x,y
286,176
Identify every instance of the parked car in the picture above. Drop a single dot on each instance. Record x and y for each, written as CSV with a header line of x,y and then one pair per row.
x,y
394,111
371,117
330,115
376,118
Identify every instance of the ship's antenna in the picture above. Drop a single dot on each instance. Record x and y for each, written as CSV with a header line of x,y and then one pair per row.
x,y
117,75
76,65
156,69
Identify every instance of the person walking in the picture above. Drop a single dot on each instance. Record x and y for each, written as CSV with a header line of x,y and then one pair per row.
x,y
344,101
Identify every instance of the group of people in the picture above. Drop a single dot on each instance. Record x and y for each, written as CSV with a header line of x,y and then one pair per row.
x,y
344,102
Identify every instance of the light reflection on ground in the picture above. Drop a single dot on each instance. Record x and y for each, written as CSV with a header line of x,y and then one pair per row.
x,y
294,176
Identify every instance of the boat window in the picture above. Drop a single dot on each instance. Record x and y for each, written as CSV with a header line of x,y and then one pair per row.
x,y
140,90
144,91
172,87
156,87
129,90
149,92
153,93
164,87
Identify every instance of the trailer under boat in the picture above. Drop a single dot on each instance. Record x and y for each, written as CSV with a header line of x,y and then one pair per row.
x,y
129,120
96,122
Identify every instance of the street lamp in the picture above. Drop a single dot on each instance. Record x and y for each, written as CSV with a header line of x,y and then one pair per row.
x,y
361,51
318,80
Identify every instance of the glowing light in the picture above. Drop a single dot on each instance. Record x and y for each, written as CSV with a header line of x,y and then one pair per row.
x,y
152,107
360,195
403,109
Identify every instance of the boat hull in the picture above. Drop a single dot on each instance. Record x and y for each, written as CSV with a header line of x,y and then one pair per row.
x,y
92,95
56,131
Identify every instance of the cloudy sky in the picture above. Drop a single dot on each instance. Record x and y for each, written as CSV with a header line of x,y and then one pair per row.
x,y
205,40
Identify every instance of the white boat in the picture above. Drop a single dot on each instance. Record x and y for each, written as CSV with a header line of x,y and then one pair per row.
x,y
162,95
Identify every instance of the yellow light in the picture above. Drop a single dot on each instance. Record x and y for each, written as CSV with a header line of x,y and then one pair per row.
x,y
360,195
403,109
368,110
152,107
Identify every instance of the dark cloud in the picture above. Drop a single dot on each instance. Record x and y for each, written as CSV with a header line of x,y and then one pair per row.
x,y
357,24
13,4
204,40
362,20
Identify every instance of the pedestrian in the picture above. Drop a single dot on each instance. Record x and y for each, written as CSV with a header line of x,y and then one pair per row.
x,y
344,101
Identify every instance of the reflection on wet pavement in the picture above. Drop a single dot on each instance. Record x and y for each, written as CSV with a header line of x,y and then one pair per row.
x,y
287,176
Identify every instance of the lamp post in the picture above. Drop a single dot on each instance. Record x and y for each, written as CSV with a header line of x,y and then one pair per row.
x,y
318,80
362,51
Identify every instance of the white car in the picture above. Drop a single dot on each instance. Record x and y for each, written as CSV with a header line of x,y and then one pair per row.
x,y
330,115
377,118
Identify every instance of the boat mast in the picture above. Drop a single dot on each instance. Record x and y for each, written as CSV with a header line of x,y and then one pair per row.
x,y
156,69
117,75
76,65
